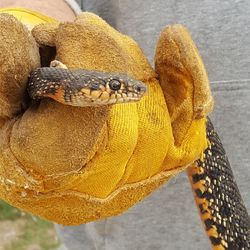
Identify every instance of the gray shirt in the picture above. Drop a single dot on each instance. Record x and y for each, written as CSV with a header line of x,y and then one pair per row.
x,y
168,218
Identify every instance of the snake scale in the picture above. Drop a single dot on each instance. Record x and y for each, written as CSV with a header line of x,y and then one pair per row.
x,y
216,193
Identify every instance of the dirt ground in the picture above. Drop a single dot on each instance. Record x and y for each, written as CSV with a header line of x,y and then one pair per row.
x,y
22,231
10,231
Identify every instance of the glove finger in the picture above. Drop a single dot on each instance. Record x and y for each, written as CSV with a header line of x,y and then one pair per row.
x,y
18,56
98,46
183,79
45,34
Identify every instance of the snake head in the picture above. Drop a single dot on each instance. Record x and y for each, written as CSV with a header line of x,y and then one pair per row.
x,y
84,87
98,88
114,88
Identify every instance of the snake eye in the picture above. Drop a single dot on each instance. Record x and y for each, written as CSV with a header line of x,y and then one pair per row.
x,y
114,84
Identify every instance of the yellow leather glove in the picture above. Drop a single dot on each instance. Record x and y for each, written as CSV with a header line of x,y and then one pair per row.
x,y
74,165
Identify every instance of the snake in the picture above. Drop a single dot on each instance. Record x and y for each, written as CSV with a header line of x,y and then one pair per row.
x,y
82,87
216,193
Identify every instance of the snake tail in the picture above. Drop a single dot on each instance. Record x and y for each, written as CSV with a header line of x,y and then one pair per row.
x,y
218,199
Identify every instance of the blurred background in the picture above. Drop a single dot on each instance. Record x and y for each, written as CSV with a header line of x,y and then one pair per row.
x,y
22,231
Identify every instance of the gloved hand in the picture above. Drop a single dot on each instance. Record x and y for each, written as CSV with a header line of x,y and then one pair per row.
x,y
74,165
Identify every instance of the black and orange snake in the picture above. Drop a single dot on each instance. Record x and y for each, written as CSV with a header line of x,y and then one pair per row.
x,y
216,193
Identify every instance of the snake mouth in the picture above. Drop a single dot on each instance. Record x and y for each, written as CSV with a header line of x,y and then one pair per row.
x,y
97,98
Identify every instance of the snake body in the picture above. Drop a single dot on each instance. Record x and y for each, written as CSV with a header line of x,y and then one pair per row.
x,y
218,198
216,193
